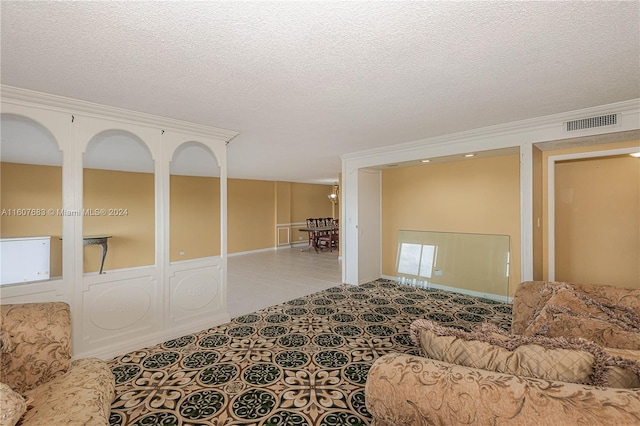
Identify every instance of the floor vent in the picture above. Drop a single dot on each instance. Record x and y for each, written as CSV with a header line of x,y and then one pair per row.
x,y
588,123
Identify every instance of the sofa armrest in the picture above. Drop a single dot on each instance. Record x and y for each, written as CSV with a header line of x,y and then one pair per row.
x,y
404,390
81,396
40,343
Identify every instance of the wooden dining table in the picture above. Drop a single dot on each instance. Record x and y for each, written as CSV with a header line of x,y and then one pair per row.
x,y
314,233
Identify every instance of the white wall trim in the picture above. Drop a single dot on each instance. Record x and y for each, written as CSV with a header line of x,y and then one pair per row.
x,y
63,104
526,212
551,196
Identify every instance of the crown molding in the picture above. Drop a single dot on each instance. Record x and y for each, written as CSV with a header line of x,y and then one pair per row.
x,y
537,129
25,97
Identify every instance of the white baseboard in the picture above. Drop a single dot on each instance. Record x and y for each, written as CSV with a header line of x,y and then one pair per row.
x,y
242,253
425,284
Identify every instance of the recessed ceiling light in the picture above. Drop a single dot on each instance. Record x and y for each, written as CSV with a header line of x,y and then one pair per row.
x,y
635,154
392,165
469,155
426,161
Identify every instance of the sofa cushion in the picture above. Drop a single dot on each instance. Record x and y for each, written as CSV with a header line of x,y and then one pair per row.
x,y
489,348
81,396
13,406
565,312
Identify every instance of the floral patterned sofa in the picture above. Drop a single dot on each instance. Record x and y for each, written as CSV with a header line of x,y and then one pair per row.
x,y
40,384
572,357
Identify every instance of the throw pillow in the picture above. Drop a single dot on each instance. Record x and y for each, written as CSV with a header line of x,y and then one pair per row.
x,y
489,348
578,301
13,406
568,313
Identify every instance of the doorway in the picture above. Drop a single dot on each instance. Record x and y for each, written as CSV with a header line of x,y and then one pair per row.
x,y
594,218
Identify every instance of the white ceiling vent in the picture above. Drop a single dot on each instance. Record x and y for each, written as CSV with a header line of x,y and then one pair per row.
x,y
588,123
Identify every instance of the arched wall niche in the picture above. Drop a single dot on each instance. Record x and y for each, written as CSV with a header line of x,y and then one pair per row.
x,y
31,186
194,158
118,202
194,203
117,149
26,140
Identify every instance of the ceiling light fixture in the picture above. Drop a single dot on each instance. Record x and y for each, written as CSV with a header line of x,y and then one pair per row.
x,y
469,155
635,154
425,161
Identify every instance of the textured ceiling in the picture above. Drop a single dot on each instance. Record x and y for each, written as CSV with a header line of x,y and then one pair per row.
x,y
304,82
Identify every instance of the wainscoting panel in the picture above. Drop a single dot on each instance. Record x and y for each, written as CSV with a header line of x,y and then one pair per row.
x,y
119,311
196,292
284,235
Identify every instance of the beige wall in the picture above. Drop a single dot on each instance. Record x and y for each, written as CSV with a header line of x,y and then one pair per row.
x,y
254,208
283,213
133,242
24,186
251,215
308,200
34,186
195,217
194,207
545,193
473,196
283,202
597,221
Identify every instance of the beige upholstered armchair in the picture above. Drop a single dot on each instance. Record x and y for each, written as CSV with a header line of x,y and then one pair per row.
x,y
40,384
572,357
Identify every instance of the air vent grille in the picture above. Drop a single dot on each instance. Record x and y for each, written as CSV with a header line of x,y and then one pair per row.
x,y
588,123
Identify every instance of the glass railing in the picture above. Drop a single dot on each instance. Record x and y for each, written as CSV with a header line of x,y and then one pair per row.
x,y
475,264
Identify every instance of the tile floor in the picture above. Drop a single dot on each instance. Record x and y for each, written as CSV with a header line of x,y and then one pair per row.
x,y
258,280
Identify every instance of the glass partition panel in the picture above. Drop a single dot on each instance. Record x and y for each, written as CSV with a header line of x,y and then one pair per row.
x,y
476,264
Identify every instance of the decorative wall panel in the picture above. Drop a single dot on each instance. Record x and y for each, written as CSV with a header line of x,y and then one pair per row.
x,y
125,309
196,291
117,311
119,307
